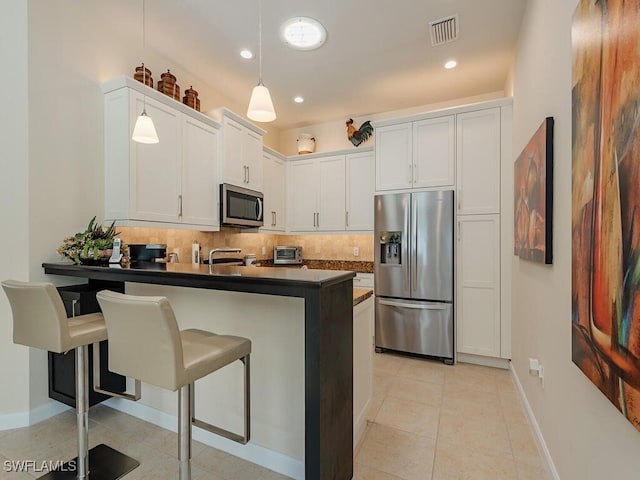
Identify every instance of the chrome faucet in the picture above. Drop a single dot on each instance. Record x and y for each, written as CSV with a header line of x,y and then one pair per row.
x,y
213,251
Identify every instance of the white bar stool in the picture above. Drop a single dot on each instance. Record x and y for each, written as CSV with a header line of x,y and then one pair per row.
x,y
146,344
40,321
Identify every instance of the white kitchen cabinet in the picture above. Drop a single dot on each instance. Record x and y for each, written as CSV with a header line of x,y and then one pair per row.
x,y
274,192
478,156
170,184
394,156
434,152
417,154
478,285
240,151
359,191
200,190
363,347
317,194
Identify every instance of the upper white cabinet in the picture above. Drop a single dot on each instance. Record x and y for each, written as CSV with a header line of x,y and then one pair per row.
x,y
478,161
274,192
199,173
416,154
359,191
317,194
240,151
331,192
172,183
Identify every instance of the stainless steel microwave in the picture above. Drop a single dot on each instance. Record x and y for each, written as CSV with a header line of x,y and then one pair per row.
x,y
287,255
240,207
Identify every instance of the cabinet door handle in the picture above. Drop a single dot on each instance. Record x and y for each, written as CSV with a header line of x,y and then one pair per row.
x,y
458,230
318,214
179,205
244,168
275,219
410,173
346,218
248,175
415,172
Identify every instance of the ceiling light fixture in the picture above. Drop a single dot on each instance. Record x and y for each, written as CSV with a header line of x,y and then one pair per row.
x,y
450,64
144,130
260,105
298,99
246,53
303,33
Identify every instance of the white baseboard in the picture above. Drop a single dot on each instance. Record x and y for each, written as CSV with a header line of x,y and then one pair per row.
x,y
484,361
38,414
542,445
251,452
360,425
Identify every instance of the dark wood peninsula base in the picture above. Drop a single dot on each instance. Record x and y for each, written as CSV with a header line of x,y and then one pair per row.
x,y
328,311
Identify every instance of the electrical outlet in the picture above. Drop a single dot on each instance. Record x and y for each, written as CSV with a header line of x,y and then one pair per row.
x,y
356,252
264,250
534,367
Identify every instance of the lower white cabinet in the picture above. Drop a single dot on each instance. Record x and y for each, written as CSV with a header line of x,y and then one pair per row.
x,y
478,285
362,366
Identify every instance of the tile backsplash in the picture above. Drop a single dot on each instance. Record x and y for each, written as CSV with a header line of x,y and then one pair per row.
x,y
316,247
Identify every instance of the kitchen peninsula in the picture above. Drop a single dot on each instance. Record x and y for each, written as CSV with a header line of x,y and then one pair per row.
x,y
301,391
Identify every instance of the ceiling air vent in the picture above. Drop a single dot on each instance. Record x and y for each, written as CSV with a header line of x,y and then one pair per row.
x,y
444,30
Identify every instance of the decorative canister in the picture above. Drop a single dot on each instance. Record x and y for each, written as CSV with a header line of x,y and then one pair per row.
x,y
168,85
143,75
306,143
190,98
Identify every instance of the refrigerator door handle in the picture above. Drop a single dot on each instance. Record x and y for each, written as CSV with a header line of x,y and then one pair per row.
x,y
407,250
414,243
415,306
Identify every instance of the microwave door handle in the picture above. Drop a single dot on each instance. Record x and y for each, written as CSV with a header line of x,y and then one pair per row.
x,y
259,209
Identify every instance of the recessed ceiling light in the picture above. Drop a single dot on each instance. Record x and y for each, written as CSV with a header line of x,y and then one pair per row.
x,y
303,33
246,53
298,99
450,64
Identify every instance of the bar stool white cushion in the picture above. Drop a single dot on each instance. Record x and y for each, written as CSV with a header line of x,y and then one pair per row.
x,y
35,305
145,342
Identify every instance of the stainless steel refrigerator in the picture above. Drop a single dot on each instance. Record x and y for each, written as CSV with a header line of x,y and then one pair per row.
x,y
414,273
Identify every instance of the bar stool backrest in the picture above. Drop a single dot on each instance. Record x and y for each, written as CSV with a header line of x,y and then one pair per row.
x,y
144,339
39,317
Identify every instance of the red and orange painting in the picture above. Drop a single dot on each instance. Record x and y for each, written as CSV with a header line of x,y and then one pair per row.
x,y
533,189
605,199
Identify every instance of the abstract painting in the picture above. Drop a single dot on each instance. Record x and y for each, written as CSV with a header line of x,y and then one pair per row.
x,y
533,194
605,199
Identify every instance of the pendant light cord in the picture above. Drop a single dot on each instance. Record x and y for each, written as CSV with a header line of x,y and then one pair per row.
x,y
260,41
144,69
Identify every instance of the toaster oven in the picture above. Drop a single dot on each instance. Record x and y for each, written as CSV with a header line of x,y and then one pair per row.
x,y
287,255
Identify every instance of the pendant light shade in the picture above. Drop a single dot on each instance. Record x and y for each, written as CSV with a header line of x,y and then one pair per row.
x,y
260,105
144,131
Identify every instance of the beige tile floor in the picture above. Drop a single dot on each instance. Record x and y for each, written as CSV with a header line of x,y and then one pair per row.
x,y
428,421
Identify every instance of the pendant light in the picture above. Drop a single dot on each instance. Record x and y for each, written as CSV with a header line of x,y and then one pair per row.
x,y
144,130
260,105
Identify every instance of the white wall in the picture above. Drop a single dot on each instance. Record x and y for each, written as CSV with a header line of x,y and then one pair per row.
x,y
587,437
14,196
333,135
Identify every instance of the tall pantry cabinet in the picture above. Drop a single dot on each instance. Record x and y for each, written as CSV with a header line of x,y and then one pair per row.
x,y
467,149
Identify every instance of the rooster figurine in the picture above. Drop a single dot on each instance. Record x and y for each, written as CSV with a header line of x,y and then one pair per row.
x,y
360,135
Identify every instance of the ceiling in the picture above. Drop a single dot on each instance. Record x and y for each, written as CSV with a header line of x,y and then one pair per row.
x,y
377,57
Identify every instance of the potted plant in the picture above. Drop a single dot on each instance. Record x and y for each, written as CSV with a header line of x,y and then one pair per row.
x,y
93,246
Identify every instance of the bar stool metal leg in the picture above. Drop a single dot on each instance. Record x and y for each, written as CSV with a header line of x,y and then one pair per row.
x,y
82,410
185,414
